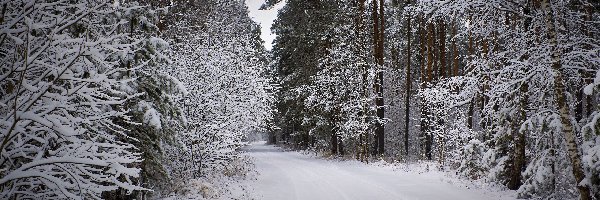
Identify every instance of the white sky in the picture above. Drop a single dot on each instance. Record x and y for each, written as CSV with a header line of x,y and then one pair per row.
x,y
265,19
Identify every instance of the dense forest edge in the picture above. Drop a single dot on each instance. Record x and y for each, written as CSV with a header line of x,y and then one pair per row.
x,y
139,99
503,91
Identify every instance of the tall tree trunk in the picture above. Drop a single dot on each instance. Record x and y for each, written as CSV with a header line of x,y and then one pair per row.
x,y
380,103
378,35
341,147
442,48
408,81
375,19
473,101
485,50
561,101
444,73
334,138
519,139
430,52
422,68
454,50
434,53
470,113
423,80
425,113
588,76
362,143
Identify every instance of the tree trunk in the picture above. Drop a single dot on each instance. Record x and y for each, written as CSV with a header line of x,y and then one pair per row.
x,y
380,104
485,50
588,76
362,143
519,138
474,99
408,81
430,52
378,35
561,101
443,73
454,50
423,80
422,51
442,48
470,113
334,142
425,112
435,54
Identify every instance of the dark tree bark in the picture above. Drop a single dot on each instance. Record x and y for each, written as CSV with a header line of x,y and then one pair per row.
x,y
423,80
378,39
424,112
454,50
519,139
485,50
442,48
473,101
362,145
380,103
430,52
334,142
408,81
422,51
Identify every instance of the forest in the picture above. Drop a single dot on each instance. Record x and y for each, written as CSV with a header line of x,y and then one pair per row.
x,y
165,99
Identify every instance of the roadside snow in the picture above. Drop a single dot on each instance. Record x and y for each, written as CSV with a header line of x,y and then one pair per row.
x,y
233,182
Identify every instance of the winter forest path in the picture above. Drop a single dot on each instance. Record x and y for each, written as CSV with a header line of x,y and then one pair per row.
x,y
292,175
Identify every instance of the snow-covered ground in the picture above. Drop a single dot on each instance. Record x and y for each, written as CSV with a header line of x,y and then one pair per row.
x,y
293,175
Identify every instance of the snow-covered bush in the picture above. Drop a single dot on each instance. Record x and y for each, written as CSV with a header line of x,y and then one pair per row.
x,y
541,175
540,178
472,165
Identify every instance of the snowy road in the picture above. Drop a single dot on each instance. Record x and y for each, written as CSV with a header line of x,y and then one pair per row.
x,y
291,175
